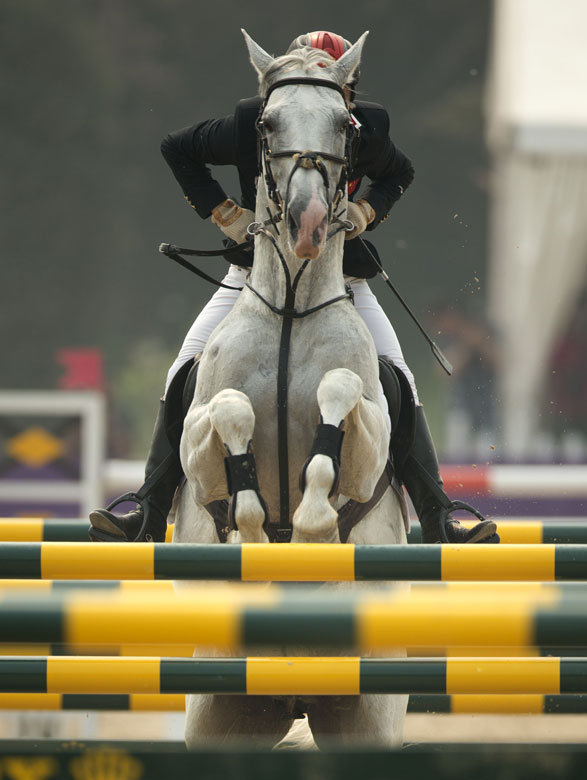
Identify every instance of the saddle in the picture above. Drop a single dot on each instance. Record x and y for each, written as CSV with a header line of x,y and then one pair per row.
x,y
400,401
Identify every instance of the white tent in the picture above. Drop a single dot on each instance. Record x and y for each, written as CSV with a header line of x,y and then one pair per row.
x,y
537,134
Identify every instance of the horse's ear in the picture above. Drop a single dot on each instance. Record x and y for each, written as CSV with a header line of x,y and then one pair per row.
x,y
259,57
343,68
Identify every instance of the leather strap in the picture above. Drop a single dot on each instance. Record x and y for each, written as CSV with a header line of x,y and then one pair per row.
x,y
241,472
351,513
312,82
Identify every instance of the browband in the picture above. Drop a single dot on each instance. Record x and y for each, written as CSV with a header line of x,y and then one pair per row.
x,y
302,80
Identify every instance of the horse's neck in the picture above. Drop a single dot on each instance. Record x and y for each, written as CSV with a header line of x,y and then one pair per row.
x,y
321,280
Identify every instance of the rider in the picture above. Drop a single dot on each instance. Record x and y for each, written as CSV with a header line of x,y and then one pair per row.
x,y
233,140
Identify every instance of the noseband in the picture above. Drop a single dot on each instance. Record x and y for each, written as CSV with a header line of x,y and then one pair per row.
x,y
305,159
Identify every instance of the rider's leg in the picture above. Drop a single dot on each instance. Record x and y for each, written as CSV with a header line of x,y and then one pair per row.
x,y
425,504
381,329
219,305
427,507
106,526
109,527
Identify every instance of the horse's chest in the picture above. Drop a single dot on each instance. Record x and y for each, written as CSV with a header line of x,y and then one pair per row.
x,y
242,357
254,359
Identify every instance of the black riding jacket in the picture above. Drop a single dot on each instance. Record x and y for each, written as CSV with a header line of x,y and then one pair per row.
x,y
233,141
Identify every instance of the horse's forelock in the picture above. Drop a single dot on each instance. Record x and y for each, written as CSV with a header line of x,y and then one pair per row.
x,y
307,61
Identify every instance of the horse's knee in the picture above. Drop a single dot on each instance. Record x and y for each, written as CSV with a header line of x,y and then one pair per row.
x,y
230,408
339,391
224,426
231,415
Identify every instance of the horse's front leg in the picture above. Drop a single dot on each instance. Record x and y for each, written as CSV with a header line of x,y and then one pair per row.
x,y
218,461
350,465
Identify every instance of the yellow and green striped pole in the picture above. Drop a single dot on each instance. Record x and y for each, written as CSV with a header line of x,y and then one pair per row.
x,y
497,704
524,531
511,531
262,615
292,562
464,703
525,592
304,676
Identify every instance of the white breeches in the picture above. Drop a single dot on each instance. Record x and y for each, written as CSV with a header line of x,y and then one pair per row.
x,y
366,304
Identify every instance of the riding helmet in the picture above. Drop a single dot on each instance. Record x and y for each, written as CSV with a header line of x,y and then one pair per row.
x,y
330,42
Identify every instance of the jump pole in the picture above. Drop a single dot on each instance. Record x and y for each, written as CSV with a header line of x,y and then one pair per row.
x,y
303,676
264,616
458,704
292,562
511,531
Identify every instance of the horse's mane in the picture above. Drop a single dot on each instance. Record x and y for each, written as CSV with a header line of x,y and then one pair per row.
x,y
307,60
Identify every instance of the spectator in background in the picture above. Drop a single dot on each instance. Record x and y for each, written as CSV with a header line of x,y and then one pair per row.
x,y
566,394
470,416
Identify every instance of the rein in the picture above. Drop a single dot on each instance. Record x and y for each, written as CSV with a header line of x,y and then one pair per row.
x,y
176,252
288,309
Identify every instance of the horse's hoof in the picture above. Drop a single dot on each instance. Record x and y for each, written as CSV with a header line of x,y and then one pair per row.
x,y
248,513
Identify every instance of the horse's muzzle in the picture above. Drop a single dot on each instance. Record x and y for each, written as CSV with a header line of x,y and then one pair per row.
x,y
307,225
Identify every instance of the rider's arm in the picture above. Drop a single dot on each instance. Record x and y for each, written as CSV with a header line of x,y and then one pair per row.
x,y
393,176
389,170
190,151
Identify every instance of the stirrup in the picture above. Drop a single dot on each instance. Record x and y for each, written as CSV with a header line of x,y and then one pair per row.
x,y
141,501
455,506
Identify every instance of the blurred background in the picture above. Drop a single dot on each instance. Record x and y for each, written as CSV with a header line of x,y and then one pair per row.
x,y
488,246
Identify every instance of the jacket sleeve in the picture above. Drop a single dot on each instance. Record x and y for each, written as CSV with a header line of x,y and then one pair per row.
x,y
190,151
389,170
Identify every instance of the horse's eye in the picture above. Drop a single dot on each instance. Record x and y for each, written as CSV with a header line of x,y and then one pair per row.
x,y
267,125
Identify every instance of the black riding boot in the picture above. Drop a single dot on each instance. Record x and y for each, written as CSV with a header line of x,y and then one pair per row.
x,y
426,504
157,497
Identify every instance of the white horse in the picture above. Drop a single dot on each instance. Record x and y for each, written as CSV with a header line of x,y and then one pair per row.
x,y
269,380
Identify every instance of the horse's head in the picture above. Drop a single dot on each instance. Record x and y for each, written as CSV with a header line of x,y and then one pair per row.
x,y
305,138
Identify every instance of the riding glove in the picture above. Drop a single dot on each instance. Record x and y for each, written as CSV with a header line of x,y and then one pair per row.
x,y
360,214
232,220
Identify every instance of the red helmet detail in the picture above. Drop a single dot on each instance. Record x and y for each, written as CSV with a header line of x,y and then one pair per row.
x,y
331,43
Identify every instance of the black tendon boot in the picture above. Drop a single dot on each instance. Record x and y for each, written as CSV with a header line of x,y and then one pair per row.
x,y
148,522
427,503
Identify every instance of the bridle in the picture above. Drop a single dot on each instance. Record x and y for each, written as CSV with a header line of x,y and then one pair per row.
x,y
305,159
302,159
